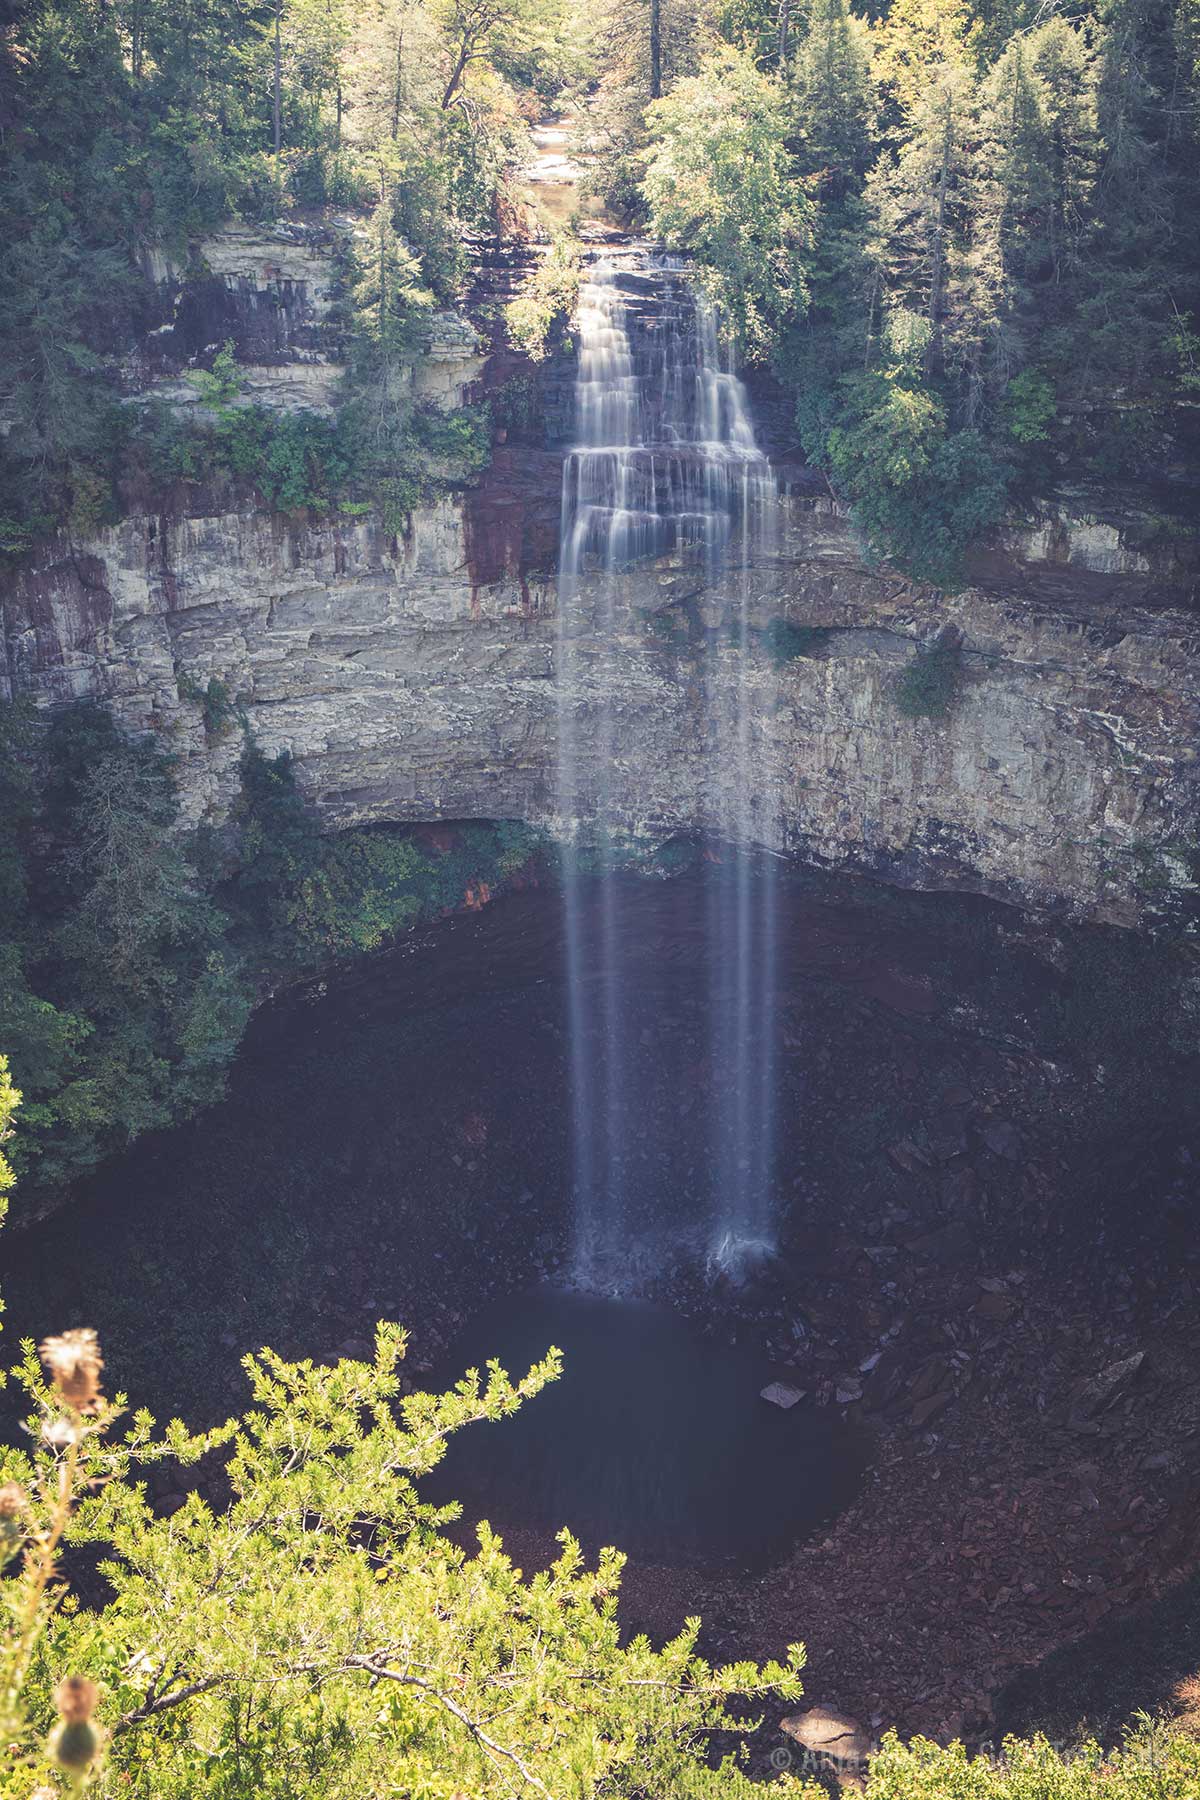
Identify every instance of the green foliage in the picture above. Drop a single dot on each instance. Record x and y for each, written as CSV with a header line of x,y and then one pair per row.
x,y
223,382
319,1633
138,126
112,934
547,300
891,436
302,899
10,1099
997,283
365,457
1030,407
785,642
133,956
719,185
1183,346
1155,1760
832,100
622,67
389,289
219,709
929,686
921,494
459,439
295,459
516,406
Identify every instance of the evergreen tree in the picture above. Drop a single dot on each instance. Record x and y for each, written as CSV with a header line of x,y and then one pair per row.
x,y
924,200
833,100
1039,149
720,184
915,39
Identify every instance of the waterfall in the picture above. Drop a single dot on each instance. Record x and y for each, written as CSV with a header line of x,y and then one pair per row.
x,y
664,465
742,885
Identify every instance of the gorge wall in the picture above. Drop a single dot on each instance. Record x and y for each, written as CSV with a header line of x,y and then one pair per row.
x,y
413,677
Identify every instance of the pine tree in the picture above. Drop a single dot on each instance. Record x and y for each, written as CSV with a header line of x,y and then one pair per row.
x,y
924,201
833,100
1039,150
915,40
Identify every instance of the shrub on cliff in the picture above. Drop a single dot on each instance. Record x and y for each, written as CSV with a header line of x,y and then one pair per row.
x,y
785,642
378,444
929,685
547,299
921,493
300,897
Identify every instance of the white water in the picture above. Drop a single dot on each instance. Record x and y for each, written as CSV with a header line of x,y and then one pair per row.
x,y
665,464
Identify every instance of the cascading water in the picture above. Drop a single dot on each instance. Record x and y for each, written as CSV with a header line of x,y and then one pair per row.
x,y
665,465
742,885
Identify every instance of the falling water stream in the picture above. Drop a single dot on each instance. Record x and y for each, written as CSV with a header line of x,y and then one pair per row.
x,y
665,465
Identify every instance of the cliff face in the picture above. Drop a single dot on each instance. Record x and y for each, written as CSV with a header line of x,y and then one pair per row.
x,y
415,679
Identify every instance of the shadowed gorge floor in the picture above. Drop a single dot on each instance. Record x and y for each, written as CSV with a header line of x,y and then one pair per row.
x,y
984,1196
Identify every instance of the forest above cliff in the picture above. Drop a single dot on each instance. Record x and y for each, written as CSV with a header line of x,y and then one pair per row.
x,y
964,237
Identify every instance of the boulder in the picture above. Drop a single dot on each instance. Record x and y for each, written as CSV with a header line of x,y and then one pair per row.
x,y
947,1136
781,1393
929,1408
1003,1139
1100,1390
833,1735
908,1156
996,1309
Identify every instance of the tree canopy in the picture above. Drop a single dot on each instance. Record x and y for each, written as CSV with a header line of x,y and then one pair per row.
x,y
993,273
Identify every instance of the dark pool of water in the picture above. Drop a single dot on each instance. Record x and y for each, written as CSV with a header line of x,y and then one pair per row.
x,y
654,1438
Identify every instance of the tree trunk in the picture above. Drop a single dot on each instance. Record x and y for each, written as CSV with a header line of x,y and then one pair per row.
x,y
456,77
135,43
655,49
337,91
277,88
939,233
398,84
785,27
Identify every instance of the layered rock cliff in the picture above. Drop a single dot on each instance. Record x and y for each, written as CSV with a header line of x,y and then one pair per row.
x,y
407,687
413,677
